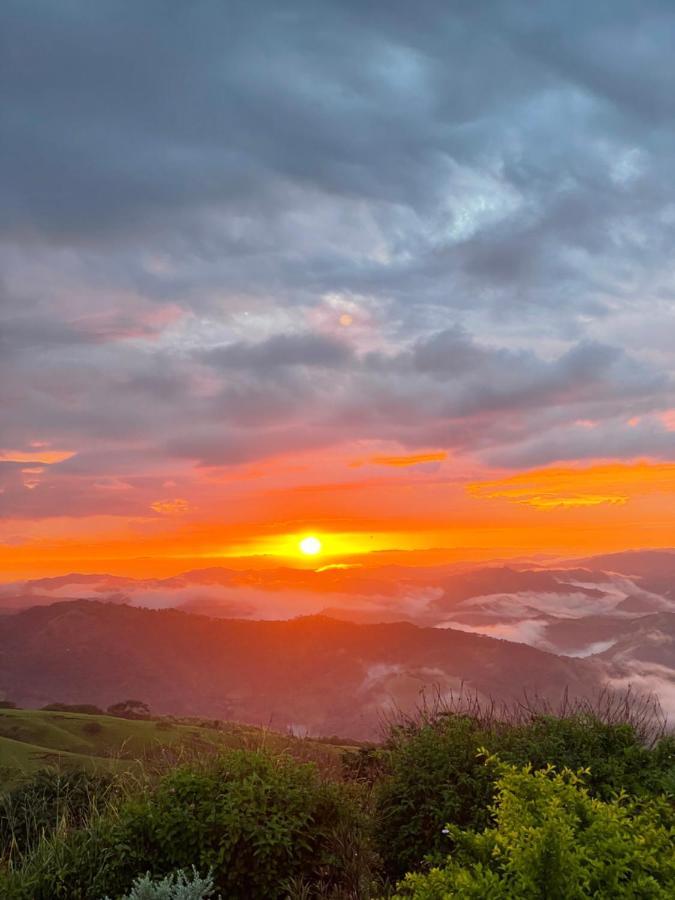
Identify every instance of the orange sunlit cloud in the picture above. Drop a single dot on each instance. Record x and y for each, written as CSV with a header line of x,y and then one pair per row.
x,y
608,484
171,507
411,459
44,456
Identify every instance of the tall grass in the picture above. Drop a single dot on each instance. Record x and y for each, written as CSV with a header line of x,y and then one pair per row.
x,y
642,712
54,802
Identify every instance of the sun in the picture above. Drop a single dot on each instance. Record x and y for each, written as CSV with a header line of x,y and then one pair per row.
x,y
310,546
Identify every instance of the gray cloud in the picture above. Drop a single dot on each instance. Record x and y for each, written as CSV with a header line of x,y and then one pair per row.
x,y
193,194
280,351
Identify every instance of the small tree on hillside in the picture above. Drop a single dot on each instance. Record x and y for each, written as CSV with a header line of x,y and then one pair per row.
x,y
130,709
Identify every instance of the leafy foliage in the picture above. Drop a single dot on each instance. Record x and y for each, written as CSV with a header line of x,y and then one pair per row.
x,y
253,820
265,824
552,839
435,776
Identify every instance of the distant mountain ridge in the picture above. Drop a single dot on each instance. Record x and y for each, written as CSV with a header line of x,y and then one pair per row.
x,y
312,675
617,610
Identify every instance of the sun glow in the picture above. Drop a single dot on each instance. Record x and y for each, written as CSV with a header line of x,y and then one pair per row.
x,y
310,545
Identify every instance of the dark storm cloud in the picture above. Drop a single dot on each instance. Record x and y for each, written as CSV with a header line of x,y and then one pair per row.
x,y
193,194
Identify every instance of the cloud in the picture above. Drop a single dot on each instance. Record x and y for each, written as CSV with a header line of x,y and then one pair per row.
x,y
649,679
524,631
170,507
45,455
193,201
565,502
280,351
556,487
410,459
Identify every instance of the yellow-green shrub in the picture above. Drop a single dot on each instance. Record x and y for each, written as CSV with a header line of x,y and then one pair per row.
x,y
551,840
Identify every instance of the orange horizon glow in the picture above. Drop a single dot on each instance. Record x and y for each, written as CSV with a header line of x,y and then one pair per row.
x,y
411,514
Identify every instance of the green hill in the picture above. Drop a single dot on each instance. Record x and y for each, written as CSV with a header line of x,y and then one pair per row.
x,y
31,739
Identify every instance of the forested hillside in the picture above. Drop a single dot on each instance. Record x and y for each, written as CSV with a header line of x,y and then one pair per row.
x,y
314,675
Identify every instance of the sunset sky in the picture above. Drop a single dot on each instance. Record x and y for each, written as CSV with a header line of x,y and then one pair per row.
x,y
398,276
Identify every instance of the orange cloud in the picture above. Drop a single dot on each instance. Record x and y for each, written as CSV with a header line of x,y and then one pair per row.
x,y
605,484
171,507
562,502
413,459
46,457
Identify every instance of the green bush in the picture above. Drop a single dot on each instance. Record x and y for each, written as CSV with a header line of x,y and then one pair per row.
x,y
435,776
253,821
615,753
551,840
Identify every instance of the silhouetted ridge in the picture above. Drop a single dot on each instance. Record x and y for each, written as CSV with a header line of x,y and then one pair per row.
x,y
313,673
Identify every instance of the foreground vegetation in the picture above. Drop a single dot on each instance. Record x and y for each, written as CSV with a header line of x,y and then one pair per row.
x,y
459,802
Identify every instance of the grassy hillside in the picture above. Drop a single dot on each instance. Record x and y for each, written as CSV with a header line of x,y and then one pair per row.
x,y
31,739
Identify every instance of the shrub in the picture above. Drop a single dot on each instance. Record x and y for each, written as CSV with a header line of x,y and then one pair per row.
x,y
366,765
252,820
86,708
617,758
177,886
7,704
92,728
435,776
551,839
130,709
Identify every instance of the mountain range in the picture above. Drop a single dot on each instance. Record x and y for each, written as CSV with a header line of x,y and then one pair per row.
x,y
333,650
311,675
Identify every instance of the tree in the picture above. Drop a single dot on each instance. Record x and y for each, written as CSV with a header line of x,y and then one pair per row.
x,y
130,709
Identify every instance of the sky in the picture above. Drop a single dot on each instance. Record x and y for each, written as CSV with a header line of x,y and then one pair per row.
x,y
398,276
